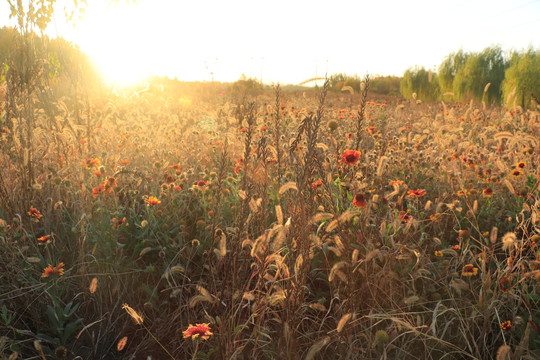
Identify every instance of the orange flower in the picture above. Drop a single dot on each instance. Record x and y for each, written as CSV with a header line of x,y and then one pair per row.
x,y
202,183
487,192
116,223
152,201
404,217
44,239
202,330
237,169
516,173
50,270
92,163
506,325
350,157
469,270
417,193
359,201
264,128
438,253
521,165
317,183
455,247
97,190
35,213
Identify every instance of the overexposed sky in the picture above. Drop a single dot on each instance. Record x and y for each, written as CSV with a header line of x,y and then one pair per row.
x,y
289,41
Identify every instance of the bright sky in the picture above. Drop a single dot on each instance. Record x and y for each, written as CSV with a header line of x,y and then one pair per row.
x,y
289,41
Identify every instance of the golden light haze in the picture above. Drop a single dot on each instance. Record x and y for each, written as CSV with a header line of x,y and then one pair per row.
x,y
288,41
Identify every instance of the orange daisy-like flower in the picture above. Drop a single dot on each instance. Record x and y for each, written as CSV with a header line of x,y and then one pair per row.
x,y
404,217
116,223
152,201
350,157
516,173
359,201
44,239
521,165
51,270
417,193
469,270
317,183
35,213
455,247
202,183
202,330
438,253
92,163
506,325
487,192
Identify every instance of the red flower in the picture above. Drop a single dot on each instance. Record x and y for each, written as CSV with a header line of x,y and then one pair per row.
x,y
264,128
202,330
359,201
469,270
237,169
350,157
44,239
507,325
487,192
202,183
97,190
152,201
417,193
51,270
404,217
317,183
35,213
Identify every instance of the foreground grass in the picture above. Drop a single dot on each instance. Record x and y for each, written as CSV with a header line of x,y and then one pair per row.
x,y
296,226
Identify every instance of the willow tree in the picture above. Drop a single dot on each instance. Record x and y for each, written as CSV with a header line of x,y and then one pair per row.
x,y
523,76
480,69
449,68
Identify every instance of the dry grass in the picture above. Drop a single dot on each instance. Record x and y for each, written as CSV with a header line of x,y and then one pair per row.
x,y
260,229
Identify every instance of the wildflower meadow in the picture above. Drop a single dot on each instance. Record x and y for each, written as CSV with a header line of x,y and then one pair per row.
x,y
247,221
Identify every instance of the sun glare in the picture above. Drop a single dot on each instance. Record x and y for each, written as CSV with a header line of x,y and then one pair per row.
x,y
114,37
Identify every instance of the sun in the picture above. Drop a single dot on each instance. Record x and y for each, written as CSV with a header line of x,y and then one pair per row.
x,y
115,36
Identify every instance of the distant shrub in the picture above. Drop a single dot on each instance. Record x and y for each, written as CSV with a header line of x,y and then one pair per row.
x,y
421,82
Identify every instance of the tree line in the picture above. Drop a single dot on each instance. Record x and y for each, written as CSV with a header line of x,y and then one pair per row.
x,y
490,76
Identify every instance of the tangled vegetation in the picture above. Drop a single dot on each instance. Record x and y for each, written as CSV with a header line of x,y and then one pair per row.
x,y
205,221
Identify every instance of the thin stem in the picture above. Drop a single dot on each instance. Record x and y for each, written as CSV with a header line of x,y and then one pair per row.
x,y
163,347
